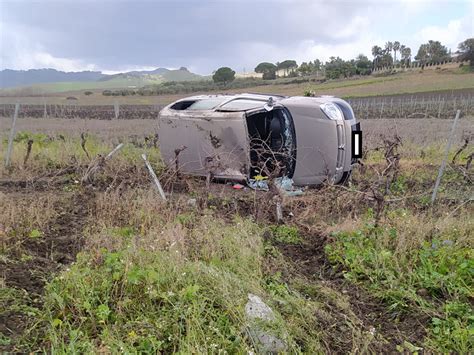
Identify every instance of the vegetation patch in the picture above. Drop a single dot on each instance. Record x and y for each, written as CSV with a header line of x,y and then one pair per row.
x,y
428,273
188,297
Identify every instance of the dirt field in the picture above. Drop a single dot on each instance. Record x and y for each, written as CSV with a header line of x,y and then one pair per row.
x,y
368,267
420,131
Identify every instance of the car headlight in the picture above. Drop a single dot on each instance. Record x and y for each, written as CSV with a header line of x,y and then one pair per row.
x,y
332,111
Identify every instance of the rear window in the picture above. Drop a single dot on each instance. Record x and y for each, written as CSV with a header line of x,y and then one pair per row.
x,y
242,105
182,105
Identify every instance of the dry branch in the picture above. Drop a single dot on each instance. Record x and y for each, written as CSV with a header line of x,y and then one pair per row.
x,y
466,142
98,164
28,151
83,145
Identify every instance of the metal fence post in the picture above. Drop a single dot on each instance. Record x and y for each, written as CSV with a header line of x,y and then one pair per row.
x,y
443,164
116,109
12,135
154,177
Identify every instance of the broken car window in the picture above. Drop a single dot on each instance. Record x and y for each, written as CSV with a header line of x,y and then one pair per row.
x,y
241,105
207,104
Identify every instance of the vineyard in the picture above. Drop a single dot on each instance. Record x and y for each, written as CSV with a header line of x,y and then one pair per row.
x,y
414,106
422,105
93,259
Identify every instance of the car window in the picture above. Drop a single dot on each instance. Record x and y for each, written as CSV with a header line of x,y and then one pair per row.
x,y
242,105
207,104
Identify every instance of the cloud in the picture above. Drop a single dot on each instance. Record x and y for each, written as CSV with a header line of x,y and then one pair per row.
x,y
20,52
205,34
450,35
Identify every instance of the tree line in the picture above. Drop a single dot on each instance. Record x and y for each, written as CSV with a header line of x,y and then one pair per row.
x,y
392,54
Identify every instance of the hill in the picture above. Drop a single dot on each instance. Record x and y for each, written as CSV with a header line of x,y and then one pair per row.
x,y
13,78
39,81
150,77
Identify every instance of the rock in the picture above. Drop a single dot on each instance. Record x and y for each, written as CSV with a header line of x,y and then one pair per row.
x,y
257,312
257,309
267,343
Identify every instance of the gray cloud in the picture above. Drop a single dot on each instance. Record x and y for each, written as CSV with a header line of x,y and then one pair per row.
x,y
111,34
199,34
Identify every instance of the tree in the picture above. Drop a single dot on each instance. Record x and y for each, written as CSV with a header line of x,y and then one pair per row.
x,y
337,68
405,54
432,52
389,48
316,65
267,69
363,65
466,51
287,65
224,75
386,59
396,48
305,68
376,53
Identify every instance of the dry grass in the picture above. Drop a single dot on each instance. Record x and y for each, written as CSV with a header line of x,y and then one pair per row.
x,y
101,129
212,246
419,131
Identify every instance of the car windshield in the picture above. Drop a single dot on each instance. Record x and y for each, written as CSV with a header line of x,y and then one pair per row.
x,y
241,105
207,104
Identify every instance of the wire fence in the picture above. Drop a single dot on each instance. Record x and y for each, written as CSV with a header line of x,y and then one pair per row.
x,y
70,111
434,106
442,106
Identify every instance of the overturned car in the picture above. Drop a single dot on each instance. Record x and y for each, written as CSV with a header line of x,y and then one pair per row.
x,y
247,136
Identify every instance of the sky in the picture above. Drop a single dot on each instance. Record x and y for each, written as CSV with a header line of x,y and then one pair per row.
x,y
202,35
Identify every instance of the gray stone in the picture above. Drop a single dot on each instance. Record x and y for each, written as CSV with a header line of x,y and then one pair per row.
x,y
257,312
257,309
266,342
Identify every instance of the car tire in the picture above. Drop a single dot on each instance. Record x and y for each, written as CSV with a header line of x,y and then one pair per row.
x,y
346,176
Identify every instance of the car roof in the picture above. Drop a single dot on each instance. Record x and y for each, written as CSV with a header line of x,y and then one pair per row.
x,y
259,99
243,102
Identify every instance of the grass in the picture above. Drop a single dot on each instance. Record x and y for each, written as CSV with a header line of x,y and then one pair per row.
x,y
415,268
133,299
52,152
64,87
184,292
175,277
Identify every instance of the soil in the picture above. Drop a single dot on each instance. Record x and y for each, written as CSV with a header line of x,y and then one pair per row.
x,y
310,262
63,240
46,255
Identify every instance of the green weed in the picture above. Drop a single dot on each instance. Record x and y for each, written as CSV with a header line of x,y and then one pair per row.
x,y
286,234
440,271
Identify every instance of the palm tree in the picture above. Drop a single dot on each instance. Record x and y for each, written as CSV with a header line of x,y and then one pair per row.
x,y
376,52
396,48
406,55
401,49
389,48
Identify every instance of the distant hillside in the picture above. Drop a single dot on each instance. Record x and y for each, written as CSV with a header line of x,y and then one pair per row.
x,y
13,78
51,80
157,75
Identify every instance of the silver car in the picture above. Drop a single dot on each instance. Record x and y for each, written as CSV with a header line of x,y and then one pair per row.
x,y
247,136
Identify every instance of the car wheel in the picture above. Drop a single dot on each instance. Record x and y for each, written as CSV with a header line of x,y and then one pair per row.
x,y
346,176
